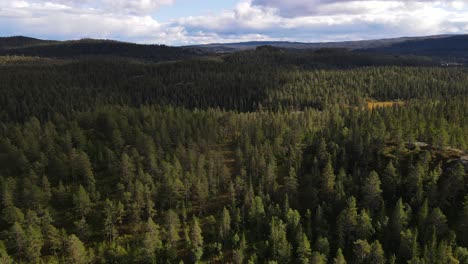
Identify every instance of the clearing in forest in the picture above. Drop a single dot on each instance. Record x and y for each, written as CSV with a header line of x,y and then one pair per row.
x,y
375,104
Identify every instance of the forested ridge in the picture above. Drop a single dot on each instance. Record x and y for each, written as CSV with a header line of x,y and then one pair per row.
x,y
90,48
264,156
450,48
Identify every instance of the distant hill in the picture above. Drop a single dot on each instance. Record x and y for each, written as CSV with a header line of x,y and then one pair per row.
x,y
363,44
21,42
324,58
448,49
91,48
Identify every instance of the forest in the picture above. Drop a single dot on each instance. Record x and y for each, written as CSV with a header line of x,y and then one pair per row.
x,y
261,156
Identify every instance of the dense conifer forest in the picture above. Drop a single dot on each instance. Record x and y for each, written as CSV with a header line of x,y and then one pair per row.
x,y
261,156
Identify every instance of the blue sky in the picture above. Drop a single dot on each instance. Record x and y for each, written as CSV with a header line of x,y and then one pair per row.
x,y
185,8
183,22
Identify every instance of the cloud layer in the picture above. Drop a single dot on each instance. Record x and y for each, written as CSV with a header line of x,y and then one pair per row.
x,y
300,20
294,8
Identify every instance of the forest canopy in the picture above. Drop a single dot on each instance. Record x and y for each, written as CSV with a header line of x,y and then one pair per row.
x,y
261,156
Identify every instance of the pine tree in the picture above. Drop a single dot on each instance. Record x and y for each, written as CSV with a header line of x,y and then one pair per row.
x,y
82,170
323,153
438,222
172,226
414,184
113,213
364,228
151,241
270,177
390,181
452,185
339,259
17,239
444,254
361,250
328,180
377,254
304,251
399,220
293,219
225,224
46,191
232,194
317,258
82,202
52,238
239,253
4,257
279,243
422,218
82,228
409,248
196,239
347,223
371,191
34,242
290,183
76,251
127,169
323,247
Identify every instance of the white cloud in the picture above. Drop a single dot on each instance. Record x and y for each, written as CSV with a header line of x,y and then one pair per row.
x,y
81,18
65,20
115,6
333,20
295,8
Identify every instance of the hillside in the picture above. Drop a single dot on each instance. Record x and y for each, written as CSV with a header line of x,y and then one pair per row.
x,y
93,48
449,49
21,42
441,48
362,44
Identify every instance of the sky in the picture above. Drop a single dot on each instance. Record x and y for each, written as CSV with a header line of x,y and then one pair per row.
x,y
184,22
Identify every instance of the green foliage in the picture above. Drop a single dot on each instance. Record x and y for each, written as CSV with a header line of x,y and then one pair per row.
x,y
76,251
152,243
280,247
4,257
225,224
196,240
371,191
254,157
304,251
82,202
113,217
339,259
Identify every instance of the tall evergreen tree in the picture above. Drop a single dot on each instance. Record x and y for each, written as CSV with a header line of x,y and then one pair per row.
x,y
76,251
304,251
196,240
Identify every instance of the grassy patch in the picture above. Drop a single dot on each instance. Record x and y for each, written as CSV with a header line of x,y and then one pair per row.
x,y
373,105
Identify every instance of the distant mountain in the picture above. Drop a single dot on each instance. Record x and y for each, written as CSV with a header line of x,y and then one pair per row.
x,y
363,44
91,48
449,49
